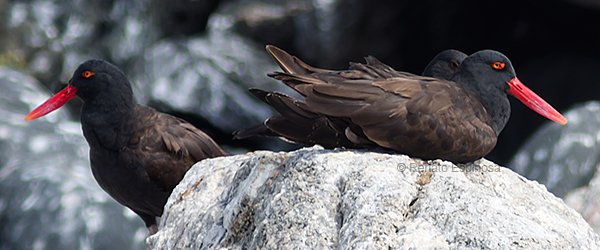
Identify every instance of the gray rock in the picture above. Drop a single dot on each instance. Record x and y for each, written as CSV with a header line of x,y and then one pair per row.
x,y
318,31
48,197
201,78
53,37
563,157
585,201
317,199
180,18
272,21
207,76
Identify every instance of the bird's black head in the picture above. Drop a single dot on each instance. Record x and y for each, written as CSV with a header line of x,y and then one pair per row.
x,y
98,83
488,69
491,74
99,78
445,64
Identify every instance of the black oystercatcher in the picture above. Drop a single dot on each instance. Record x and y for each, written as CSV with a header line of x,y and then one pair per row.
x,y
137,155
312,128
445,64
430,118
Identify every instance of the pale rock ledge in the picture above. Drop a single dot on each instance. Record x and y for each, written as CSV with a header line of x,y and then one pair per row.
x,y
335,199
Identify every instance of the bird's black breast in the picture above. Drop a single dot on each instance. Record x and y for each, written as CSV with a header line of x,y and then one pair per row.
x,y
148,158
124,178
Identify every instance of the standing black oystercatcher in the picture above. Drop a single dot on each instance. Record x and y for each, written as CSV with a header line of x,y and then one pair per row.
x,y
311,128
430,118
137,155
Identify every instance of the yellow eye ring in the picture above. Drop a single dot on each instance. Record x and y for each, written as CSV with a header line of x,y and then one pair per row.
x,y
498,65
87,74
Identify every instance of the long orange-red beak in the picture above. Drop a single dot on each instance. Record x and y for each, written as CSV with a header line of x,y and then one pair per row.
x,y
53,103
533,101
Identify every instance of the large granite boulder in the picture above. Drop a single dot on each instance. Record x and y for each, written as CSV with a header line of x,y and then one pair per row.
x,y
586,201
48,197
318,199
563,157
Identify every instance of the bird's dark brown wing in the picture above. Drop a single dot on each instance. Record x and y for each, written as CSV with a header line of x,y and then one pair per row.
x,y
296,124
375,69
302,126
362,73
419,116
428,118
168,146
373,104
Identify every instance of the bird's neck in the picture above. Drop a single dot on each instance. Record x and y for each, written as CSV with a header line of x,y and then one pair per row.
x,y
107,124
494,100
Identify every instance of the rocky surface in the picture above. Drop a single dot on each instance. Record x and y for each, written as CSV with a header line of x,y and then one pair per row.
x,y
208,76
317,199
563,157
586,201
51,37
48,197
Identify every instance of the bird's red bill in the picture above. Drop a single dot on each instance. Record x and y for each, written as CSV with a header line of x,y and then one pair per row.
x,y
534,102
53,103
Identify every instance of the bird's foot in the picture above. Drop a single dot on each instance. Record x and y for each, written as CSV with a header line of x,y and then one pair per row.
x,y
152,229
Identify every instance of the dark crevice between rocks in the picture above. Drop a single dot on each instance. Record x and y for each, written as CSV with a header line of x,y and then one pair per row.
x,y
339,211
242,223
412,208
423,179
412,203
182,18
260,203
178,237
190,190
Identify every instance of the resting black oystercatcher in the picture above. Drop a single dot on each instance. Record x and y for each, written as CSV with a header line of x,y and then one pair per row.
x,y
445,64
312,128
457,120
137,155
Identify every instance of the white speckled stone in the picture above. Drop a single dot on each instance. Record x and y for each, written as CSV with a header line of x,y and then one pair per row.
x,y
323,199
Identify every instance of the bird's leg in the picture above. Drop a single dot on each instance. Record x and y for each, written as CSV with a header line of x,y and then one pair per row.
x,y
150,222
152,229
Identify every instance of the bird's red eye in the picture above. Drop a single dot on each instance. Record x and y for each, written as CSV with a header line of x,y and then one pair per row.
x,y
87,74
454,64
498,65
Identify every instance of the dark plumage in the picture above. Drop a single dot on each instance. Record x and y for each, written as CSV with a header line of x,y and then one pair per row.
x,y
137,155
445,64
312,128
372,105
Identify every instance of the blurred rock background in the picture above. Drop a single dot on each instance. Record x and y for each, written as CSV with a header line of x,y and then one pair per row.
x,y
196,58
